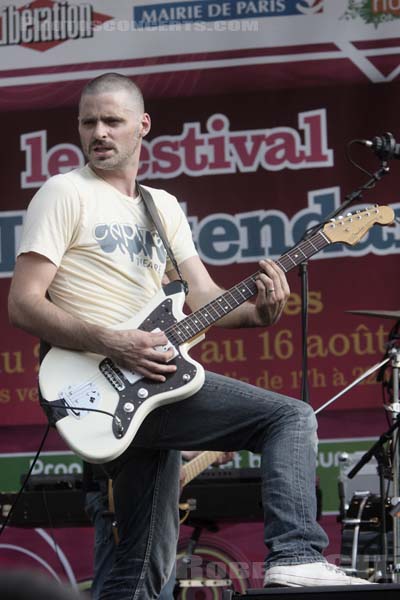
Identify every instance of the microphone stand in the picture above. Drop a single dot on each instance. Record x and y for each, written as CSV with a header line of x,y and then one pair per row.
x,y
303,270
303,274
356,195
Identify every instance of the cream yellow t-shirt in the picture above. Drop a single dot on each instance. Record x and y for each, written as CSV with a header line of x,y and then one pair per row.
x,y
109,255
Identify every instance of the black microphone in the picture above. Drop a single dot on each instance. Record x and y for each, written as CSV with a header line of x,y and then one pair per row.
x,y
385,146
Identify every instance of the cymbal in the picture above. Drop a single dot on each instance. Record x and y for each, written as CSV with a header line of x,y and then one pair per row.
x,y
386,314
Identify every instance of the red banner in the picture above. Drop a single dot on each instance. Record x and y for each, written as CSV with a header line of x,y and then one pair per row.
x,y
253,177
253,172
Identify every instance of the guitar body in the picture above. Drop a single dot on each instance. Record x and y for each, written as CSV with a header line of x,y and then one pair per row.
x,y
78,384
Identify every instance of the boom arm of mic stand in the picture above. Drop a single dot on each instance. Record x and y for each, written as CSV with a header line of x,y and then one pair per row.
x,y
377,176
373,451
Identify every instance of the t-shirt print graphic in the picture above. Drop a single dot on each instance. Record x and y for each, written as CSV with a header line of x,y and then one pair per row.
x,y
136,241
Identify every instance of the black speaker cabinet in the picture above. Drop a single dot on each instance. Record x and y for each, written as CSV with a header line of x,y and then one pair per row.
x,y
384,591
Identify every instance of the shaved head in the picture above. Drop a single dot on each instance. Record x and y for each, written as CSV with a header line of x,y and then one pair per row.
x,y
114,82
112,123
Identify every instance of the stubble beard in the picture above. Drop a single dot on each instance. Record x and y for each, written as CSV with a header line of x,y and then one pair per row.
x,y
118,160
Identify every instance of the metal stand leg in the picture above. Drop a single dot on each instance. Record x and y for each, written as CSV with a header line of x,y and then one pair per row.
x,y
356,523
395,410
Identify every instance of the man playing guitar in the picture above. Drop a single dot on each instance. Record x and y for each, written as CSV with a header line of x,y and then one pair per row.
x,y
89,259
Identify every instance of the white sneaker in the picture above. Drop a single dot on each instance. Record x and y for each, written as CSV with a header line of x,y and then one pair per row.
x,y
310,574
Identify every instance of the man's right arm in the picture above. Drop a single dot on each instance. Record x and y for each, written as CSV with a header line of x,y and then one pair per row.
x,y
30,310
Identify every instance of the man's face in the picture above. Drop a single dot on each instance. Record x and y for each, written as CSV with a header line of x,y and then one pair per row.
x,y
111,128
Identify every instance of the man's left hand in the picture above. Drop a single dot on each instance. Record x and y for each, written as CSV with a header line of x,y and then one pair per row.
x,y
273,292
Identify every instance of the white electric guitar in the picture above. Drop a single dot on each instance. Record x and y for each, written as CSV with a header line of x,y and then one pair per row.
x,y
98,406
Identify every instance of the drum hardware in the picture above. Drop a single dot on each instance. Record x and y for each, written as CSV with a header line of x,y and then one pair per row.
x,y
385,470
388,460
365,509
362,517
353,568
361,537
395,355
356,524
374,521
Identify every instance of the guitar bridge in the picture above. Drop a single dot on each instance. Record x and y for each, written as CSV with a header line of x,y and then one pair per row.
x,y
113,374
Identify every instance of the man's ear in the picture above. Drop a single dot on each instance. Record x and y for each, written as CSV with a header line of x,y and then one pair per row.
x,y
145,124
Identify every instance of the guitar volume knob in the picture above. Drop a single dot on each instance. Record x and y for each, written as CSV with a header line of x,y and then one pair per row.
x,y
128,407
142,393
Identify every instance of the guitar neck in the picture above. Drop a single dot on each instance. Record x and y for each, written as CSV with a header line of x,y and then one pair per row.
x,y
202,319
199,464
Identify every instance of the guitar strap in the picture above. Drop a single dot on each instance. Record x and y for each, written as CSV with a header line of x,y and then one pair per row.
x,y
153,212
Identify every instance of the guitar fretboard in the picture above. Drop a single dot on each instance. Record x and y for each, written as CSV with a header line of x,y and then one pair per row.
x,y
198,464
200,320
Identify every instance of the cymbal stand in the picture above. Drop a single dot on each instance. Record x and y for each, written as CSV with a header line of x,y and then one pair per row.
x,y
393,355
394,409
353,384
376,450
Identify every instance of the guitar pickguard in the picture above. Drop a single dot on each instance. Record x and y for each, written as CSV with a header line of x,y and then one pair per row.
x,y
133,395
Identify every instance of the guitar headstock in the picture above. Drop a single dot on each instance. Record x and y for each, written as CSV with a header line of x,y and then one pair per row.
x,y
351,228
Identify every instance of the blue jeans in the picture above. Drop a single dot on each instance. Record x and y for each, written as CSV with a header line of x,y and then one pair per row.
x,y
96,506
224,415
